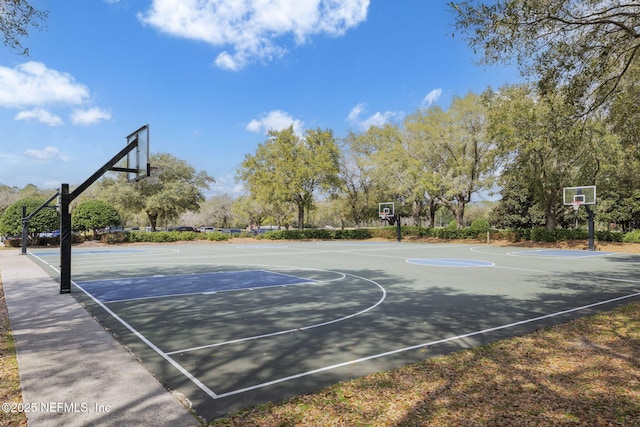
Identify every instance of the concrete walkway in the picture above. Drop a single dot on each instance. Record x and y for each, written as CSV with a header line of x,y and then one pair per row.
x,y
73,372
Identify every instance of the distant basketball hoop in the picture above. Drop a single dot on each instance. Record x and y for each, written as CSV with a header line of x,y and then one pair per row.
x,y
582,196
386,211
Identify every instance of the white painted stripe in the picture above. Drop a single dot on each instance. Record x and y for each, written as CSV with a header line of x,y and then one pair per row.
x,y
415,347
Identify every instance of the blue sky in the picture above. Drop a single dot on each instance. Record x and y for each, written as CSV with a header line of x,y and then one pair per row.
x,y
211,77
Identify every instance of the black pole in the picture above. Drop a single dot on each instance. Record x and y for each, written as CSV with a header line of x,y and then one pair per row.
x,y
592,246
65,240
25,228
398,228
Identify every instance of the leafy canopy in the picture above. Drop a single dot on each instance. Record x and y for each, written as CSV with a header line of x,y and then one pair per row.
x,y
585,46
16,16
94,215
47,219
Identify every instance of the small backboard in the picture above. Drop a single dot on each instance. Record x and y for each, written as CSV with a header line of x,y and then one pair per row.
x,y
386,210
137,160
578,196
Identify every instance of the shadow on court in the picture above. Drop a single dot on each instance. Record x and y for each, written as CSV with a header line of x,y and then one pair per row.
x,y
251,346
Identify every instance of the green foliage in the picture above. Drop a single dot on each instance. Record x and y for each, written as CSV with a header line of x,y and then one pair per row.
x,y
46,220
321,234
216,236
632,237
175,187
288,169
609,236
94,214
480,225
589,48
172,236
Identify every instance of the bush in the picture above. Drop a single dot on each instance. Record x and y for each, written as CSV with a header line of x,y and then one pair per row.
x,y
314,233
217,236
480,225
632,237
609,236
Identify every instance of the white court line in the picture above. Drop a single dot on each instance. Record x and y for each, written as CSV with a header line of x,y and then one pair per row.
x,y
161,353
304,328
179,367
415,347
351,362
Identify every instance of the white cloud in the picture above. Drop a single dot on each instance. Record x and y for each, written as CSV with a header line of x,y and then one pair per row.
x,y
378,119
355,112
226,185
256,30
33,88
431,97
275,120
47,153
33,84
40,115
90,116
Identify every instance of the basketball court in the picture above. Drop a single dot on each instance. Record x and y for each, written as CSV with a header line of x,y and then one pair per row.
x,y
233,325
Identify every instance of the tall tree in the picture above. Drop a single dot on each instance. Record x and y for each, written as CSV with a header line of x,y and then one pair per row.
x,y
359,186
424,132
16,16
173,188
548,148
469,156
587,47
288,168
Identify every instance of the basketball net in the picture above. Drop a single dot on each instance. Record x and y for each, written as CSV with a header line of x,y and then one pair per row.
x,y
576,205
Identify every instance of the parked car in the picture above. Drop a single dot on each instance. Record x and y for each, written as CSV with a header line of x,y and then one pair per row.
x,y
184,228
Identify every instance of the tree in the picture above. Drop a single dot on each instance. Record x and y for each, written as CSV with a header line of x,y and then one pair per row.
x,y
249,211
173,188
216,211
8,195
95,215
548,148
587,47
46,220
358,186
16,16
288,168
469,158
425,131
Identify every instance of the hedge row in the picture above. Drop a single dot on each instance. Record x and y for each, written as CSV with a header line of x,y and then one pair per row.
x,y
312,233
167,236
535,234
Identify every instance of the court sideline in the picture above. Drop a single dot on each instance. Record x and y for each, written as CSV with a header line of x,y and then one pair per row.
x,y
72,371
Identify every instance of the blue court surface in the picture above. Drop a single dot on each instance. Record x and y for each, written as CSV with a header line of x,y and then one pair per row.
x,y
134,288
230,326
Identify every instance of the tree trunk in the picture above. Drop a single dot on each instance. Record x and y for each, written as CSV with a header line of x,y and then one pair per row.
x,y
301,216
153,220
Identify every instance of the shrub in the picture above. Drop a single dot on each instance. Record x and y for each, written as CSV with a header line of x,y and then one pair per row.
x,y
216,236
315,233
632,237
609,236
480,225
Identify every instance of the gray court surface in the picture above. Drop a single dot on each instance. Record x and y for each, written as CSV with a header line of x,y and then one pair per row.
x,y
233,325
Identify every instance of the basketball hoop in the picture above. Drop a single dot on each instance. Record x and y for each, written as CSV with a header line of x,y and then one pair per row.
x,y
576,205
386,210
